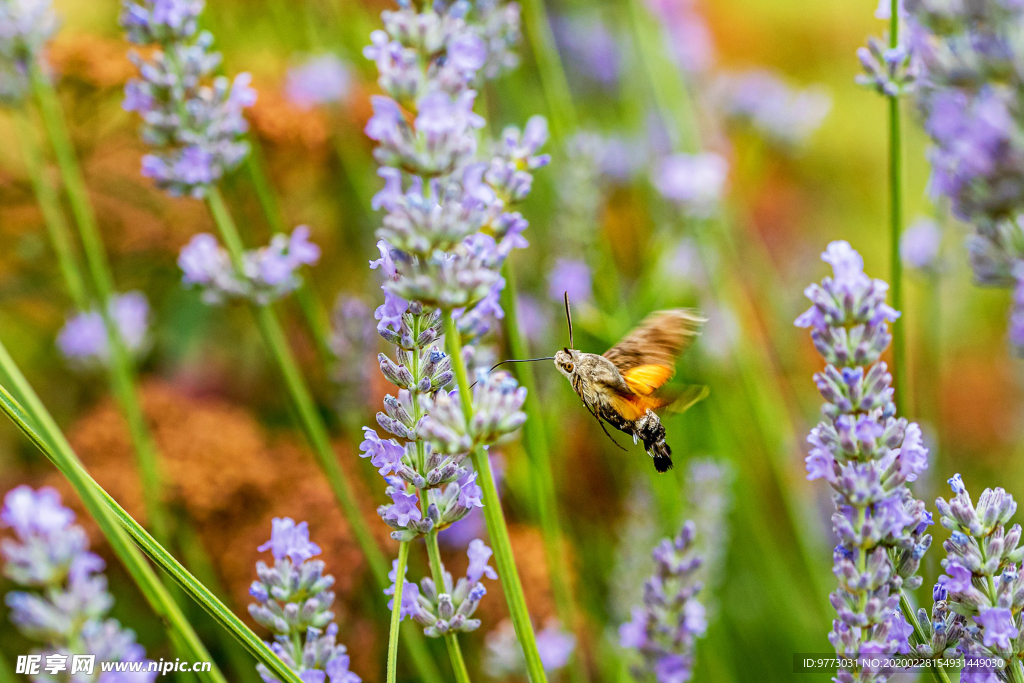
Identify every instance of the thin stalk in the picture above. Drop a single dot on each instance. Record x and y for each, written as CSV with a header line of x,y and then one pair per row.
x,y
6,671
899,351
311,422
122,375
497,529
35,421
549,64
312,307
56,222
938,673
541,470
315,429
396,611
451,640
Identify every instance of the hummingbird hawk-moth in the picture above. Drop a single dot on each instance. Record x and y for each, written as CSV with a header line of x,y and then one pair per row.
x,y
625,385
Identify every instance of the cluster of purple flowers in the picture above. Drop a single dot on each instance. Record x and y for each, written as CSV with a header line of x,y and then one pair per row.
x,y
448,227
448,608
25,28
695,182
503,656
866,454
83,339
982,585
193,119
293,602
321,80
921,245
666,628
66,601
782,115
969,95
266,274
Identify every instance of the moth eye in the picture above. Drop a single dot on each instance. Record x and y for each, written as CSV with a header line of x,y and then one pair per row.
x,y
569,367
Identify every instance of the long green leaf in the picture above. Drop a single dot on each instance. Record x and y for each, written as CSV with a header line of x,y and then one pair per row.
x,y
114,522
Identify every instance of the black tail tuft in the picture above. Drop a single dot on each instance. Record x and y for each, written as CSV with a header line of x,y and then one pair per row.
x,y
663,462
650,430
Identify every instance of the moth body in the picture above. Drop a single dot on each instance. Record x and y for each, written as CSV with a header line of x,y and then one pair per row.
x,y
600,385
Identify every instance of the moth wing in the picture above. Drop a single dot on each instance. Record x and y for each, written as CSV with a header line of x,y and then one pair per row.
x,y
630,407
658,341
682,400
673,400
644,380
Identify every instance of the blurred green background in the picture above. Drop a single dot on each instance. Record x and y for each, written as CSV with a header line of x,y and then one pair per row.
x,y
234,460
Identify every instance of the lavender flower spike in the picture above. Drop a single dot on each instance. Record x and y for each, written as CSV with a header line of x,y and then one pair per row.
x,y
982,582
293,601
192,119
666,628
83,339
448,608
267,274
66,601
867,455
25,28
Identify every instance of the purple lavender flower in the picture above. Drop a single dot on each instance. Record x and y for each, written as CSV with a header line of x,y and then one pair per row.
x,y
664,631
267,274
26,26
293,602
782,115
83,339
503,656
687,33
447,608
890,71
866,454
570,276
969,97
192,119
920,245
694,181
324,79
982,581
448,227
589,47
65,606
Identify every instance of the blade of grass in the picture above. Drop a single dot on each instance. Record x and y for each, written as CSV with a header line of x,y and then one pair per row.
x,y
48,199
122,374
120,529
899,340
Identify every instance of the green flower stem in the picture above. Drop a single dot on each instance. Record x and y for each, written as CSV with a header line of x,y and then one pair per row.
x,y
495,518
549,64
122,375
450,639
312,307
256,166
56,222
665,80
7,671
908,611
899,348
316,432
396,611
541,471
39,426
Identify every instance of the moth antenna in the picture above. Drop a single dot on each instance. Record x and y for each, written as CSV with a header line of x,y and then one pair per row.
x,y
568,318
